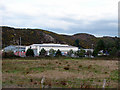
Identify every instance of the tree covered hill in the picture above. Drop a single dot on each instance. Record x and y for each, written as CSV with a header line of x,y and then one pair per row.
x,y
10,36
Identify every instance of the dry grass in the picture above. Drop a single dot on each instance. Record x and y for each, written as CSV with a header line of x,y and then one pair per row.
x,y
60,73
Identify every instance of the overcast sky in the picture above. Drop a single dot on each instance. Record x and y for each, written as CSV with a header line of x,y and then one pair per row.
x,y
97,17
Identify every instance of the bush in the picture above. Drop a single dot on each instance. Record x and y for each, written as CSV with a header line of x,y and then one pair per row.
x,y
66,68
9,54
30,52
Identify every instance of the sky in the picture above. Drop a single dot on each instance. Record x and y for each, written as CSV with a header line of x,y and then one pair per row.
x,y
96,17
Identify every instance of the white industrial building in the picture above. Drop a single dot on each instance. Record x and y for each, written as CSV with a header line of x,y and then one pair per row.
x,y
21,50
62,47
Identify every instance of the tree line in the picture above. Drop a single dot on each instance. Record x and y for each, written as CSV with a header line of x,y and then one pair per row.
x,y
58,53
111,49
102,48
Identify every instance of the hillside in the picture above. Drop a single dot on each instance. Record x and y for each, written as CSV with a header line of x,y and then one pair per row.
x,y
10,36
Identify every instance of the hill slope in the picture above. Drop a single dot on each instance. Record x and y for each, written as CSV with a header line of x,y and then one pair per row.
x,y
10,36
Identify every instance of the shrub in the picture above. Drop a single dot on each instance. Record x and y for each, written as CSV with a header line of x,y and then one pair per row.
x,y
66,68
30,52
9,54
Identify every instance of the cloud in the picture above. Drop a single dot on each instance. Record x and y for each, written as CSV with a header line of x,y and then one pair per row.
x,y
97,28
62,15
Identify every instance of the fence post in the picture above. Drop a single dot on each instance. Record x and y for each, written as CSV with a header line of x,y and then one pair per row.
x,y
104,82
42,82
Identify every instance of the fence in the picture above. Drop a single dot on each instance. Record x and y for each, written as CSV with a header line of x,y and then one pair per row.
x,y
76,84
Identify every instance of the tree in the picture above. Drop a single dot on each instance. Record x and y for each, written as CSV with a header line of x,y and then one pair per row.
x,y
30,52
43,52
77,43
95,52
58,53
100,45
118,53
113,52
117,43
109,46
70,53
51,52
80,53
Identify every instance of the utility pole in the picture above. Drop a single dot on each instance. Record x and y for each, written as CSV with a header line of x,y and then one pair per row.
x,y
20,46
92,46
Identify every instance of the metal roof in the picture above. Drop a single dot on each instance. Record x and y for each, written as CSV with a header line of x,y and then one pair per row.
x,y
51,45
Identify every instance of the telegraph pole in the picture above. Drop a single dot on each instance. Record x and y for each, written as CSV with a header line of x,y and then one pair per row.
x,y
20,46
92,46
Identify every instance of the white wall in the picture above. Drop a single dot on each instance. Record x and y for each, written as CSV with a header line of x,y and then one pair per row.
x,y
60,48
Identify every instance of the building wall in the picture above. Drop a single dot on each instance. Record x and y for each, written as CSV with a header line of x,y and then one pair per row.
x,y
37,49
64,49
88,50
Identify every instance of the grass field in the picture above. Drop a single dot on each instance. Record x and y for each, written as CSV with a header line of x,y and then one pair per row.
x,y
65,73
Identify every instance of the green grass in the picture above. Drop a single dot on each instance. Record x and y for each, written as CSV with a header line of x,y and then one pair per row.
x,y
114,75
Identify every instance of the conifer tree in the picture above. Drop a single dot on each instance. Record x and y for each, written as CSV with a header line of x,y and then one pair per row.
x,y
30,52
58,53
43,52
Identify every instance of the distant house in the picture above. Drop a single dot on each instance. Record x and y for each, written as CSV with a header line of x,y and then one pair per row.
x,y
101,53
88,50
14,48
18,50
